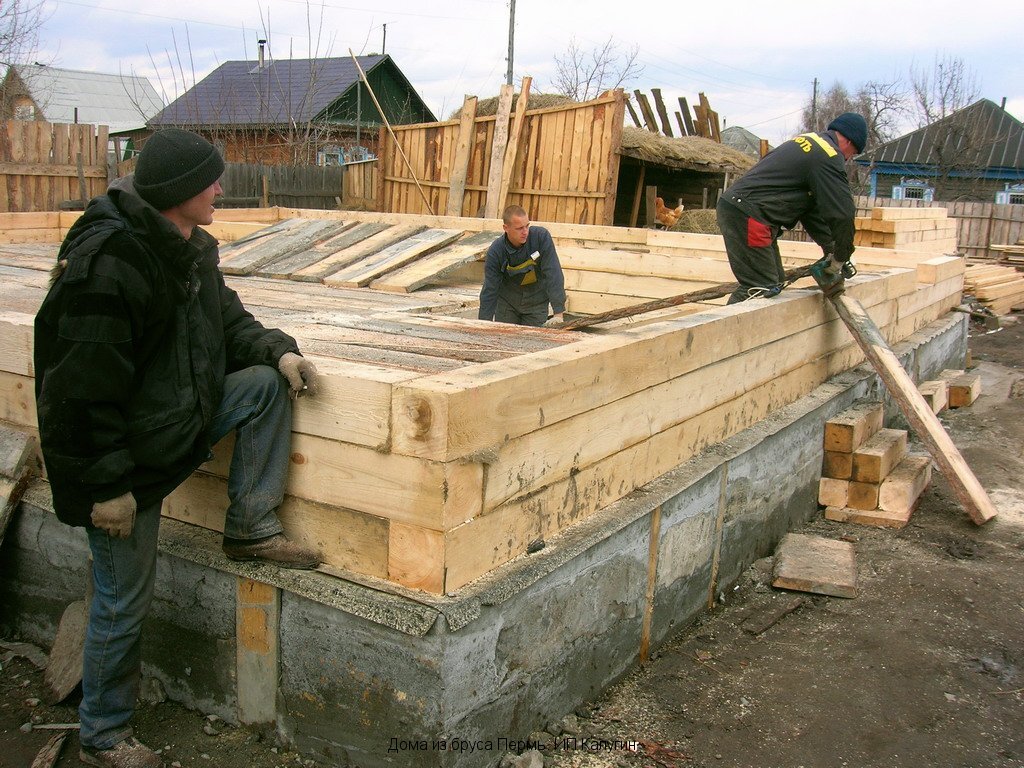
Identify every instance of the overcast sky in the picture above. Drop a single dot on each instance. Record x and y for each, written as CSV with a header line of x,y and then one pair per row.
x,y
755,61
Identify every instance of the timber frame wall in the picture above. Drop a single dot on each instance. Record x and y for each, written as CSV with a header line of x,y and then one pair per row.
x,y
45,164
430,480
559,163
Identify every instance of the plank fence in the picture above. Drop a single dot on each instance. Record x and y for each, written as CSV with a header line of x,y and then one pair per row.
x,y
560,163
979,225
49,166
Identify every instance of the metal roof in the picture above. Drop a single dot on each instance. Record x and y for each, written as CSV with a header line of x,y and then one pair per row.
x,y
741,139
122,102
981,136
279,92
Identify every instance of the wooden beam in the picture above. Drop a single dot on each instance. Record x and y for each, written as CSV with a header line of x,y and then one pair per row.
x,y
645,109
685,109
460,165
638,195
633,114
257,650
666,125
682,125
498,146
968,491
512,149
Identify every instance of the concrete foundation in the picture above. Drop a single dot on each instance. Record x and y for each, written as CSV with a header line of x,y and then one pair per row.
x,y
362,672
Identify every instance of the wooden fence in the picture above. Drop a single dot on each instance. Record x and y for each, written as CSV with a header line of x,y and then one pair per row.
x,y
560,163
248,185
48,166
979,225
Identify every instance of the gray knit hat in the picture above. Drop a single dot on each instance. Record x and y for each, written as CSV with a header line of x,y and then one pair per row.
x,y
174,166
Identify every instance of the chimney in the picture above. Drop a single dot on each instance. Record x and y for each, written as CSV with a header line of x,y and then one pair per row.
x,y
262,44
1002,105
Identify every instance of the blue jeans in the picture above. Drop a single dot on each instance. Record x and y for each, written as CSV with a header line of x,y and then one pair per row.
x,y
256,405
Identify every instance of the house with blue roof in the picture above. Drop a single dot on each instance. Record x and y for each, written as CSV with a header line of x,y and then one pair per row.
x,y
974,154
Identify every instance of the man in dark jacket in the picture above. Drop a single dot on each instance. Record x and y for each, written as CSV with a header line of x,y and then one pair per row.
x,y
803,180
144,359
522,275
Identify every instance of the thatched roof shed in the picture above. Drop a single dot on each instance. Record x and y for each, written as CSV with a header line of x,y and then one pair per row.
x,y
691,153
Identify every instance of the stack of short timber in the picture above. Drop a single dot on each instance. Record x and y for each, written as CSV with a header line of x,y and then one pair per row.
x,y
911,229
441,447
867,475
1000,289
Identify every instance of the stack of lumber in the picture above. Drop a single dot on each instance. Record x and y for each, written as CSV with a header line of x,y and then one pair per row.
x,y
867,475
1000,289
912,229
441,447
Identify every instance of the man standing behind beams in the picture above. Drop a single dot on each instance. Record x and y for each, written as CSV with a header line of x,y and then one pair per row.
x,y
522,275
803,180
144,359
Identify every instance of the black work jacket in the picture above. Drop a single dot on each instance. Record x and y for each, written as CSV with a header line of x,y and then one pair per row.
x,y
802,180
132,344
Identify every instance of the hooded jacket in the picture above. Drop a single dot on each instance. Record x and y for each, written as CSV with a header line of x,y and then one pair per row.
x,y
132,344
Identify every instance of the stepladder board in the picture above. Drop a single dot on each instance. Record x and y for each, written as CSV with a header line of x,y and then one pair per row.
x,y
815,564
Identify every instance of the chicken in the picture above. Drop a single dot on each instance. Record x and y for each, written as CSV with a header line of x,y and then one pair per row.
x,y
667,217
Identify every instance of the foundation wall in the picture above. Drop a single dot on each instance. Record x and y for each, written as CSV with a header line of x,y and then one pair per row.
x,y
370,674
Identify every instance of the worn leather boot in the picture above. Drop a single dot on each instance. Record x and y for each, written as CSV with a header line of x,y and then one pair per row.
x,y
276,549
130,753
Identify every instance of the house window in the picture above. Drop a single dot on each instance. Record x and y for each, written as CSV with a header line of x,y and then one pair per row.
x,y
1012,195
913,189
25,112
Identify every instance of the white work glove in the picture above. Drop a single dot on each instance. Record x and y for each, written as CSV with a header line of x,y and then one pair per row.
x,y
300,373
555,321
115,516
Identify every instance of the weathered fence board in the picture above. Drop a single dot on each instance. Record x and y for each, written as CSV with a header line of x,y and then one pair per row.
x,y
43,166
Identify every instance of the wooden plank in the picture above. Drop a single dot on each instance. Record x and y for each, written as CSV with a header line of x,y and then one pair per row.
x,y
684,109
398,255
900,490
498,146
878,518
49,754
815,564
333,241
968,491
431,268
767,617
257,649
833,492
936,393
460,164
364,240
847,430
247,255
512,147
18,461
876,457
645,109
666,125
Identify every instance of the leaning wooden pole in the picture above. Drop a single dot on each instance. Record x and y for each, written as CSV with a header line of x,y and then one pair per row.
x,y
398,146
968,491
704,294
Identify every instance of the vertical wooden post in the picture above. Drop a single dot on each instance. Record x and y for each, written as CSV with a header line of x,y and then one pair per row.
x,y
460,165
257,625
512,149
652,581
498,145
638,195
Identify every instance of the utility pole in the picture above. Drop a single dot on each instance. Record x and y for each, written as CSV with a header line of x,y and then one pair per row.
x,y
511,37
814,106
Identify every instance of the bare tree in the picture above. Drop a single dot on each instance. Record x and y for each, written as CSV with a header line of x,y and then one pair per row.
x,y
884,105
20,21
819,111
939,92
585,74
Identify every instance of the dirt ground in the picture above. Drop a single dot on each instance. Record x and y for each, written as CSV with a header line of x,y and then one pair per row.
x,y
925,667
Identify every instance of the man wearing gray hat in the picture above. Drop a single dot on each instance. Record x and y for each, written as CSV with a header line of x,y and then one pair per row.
x,y
801,181
144,359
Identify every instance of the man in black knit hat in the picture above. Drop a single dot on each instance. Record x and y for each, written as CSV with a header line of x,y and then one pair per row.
x,y
803,180
144,359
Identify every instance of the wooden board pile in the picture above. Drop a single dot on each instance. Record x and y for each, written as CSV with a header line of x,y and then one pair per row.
x,y
441,447
1000,289
867,475
911,229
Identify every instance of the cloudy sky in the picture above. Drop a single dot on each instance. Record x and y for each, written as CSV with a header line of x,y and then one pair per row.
x,y
755,61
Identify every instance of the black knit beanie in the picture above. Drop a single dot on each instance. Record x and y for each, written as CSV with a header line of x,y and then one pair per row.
x,y
854,127
175,166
